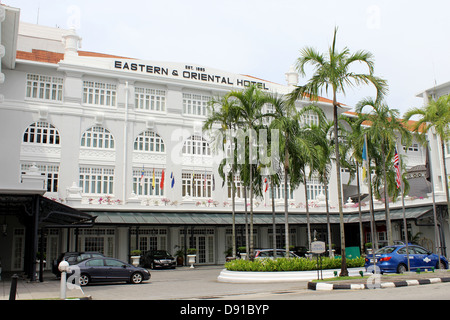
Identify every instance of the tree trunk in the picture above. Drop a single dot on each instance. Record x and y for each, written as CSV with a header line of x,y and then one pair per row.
x,y
286,214
246,221
361,234
274,225
250,162
344,271
445,175
233,211
308,224
330,245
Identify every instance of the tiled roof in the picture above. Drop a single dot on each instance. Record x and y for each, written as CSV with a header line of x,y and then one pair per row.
x,y
55,57
409,125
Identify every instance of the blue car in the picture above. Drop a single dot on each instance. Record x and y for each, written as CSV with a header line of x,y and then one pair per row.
x,y
394,259
107,270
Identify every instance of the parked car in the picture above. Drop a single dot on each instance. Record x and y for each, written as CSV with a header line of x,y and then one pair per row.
x,y
268,253
394,259
101,269
158,259
72,258
300,251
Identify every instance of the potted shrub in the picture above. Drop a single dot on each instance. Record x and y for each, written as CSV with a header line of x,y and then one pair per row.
x,y
191,253
135,257
229,254
180,256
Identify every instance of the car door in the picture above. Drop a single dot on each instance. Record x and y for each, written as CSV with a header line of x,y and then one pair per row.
x,y
117,270
96,269
403,257
426,260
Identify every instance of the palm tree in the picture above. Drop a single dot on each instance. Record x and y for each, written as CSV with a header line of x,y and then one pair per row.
x,y
435,115
324,150
332,71
226,117
250,104
354,138
382,130
295,147
285,120
309,161
272,167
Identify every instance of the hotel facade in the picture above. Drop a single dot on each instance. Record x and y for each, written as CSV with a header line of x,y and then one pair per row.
x,y
120,140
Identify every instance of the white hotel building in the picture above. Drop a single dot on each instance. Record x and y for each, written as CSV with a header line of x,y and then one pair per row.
x,y
79,129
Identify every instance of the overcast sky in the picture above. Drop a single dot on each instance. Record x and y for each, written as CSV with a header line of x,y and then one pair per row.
x,y
262,38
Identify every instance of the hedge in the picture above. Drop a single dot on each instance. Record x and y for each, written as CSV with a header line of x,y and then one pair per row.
x,y
290,264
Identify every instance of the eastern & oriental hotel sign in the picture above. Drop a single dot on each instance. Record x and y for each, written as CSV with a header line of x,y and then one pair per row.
x,y
188,72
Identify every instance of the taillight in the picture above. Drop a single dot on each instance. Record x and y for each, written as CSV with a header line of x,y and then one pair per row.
x,y
385,259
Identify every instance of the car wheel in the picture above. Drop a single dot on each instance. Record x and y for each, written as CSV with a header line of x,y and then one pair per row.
x,y
440,265
84,279
136,278
401,268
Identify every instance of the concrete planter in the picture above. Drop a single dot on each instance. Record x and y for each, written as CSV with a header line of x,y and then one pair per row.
x,y
278,276
191,259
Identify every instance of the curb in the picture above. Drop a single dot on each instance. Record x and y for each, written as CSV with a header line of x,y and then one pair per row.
x,y
277,276
323,286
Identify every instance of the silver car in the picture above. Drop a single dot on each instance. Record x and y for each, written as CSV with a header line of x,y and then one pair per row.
x,y
268,253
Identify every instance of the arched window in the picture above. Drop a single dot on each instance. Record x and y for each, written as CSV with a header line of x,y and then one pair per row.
x,y
196,145
41,132
97,137
149,141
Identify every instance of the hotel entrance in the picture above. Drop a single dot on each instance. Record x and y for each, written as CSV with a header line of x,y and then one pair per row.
x,y
202,240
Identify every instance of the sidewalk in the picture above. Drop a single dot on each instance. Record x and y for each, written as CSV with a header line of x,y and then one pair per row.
x,y
384,281
26,290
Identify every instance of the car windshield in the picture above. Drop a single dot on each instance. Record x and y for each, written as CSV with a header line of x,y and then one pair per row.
x,y
161,254
385,250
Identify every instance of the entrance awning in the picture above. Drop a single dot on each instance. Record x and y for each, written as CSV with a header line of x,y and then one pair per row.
x,y
223,219
35,212
52,214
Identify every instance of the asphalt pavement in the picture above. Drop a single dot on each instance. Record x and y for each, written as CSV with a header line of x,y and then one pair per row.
x,y
182,283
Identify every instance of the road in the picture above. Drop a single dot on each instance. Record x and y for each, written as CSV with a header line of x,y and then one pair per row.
x,y
201,284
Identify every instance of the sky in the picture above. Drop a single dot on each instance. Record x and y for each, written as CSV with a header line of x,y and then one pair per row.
x,y
408,38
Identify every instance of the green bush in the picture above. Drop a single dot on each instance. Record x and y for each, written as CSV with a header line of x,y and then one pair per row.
x,y
289,264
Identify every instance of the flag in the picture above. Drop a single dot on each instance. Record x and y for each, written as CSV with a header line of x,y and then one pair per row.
x,y
398,177
172,177
161,184
365,162
142,177
153,181
267,185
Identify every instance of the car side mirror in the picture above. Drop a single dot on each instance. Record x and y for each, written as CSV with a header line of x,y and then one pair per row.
x,y
124,266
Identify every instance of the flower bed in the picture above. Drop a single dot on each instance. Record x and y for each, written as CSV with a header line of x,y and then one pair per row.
x,y
289,264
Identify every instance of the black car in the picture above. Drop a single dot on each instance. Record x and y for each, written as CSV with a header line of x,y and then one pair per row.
x,y
158,259
300,251
103,269
73,258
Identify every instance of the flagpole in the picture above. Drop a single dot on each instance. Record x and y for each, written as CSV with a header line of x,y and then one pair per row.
x,y
436,229
402,190
372,220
